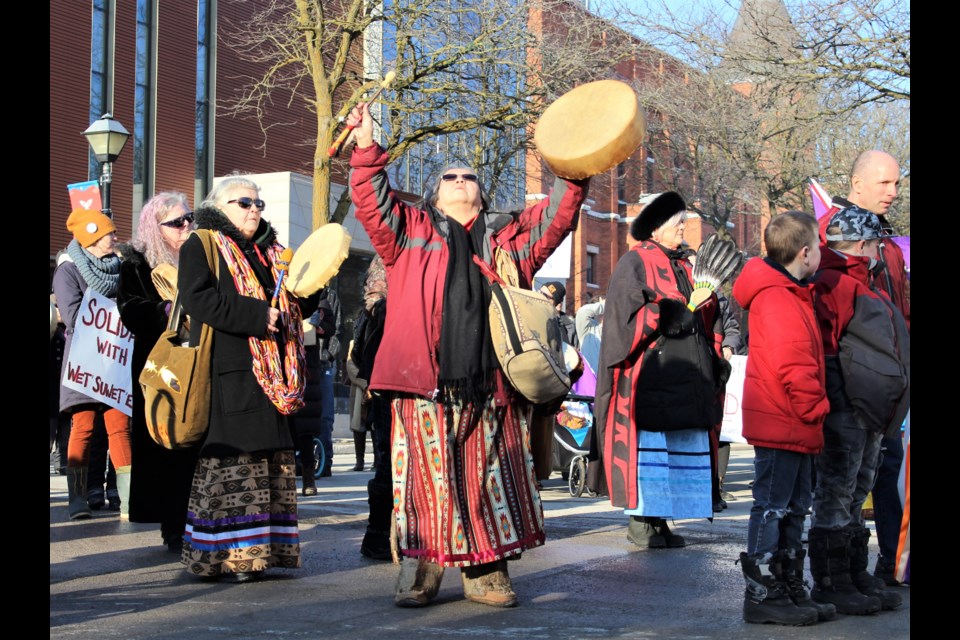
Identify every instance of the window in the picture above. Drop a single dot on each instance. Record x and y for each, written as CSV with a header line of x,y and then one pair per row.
x,y
141,105
202,132
593,255
99,65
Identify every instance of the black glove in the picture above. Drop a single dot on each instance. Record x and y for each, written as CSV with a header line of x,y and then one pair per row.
x,y
675,318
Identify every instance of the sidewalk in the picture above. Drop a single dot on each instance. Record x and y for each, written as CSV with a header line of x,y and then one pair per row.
x,y
112,579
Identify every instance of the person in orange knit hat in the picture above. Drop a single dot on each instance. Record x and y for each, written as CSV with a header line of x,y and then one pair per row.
x,y
92,263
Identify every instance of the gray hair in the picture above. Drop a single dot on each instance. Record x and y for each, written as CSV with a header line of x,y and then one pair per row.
x,y
227,186
432,193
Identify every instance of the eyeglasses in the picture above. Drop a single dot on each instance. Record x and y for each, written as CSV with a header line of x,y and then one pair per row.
x,y
448,177
179,223
246,202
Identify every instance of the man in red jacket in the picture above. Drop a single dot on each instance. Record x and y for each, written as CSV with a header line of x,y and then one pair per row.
x,y
874,180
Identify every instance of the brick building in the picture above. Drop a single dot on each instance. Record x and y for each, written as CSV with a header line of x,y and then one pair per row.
x,y
160,67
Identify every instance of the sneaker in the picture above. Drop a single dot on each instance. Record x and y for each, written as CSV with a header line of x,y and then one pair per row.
x,y
96,499
727,496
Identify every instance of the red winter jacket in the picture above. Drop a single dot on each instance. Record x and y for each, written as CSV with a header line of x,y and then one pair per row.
x,y
413,246
784,394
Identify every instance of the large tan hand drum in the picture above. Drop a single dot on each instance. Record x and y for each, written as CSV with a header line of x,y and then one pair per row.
x,y
317,260
590,129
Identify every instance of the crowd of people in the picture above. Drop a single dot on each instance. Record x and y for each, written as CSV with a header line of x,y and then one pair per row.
x,y
456,483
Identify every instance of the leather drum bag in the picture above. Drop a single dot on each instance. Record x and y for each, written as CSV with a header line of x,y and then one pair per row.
x,y
590,129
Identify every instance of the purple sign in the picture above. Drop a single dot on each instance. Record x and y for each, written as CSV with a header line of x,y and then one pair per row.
x,y
904,243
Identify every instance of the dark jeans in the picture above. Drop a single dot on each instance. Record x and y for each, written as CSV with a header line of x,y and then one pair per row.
x,y
846,471
781,500
887,510
327,401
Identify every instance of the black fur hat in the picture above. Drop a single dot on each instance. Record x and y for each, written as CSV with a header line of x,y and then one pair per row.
x,y
657,211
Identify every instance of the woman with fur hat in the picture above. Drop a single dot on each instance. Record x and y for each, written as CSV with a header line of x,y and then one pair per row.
x,y
466,495
242,511
92,263
160,479
658,388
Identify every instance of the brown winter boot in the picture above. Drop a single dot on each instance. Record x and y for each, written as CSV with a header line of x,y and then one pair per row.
x,y
489,583
418,582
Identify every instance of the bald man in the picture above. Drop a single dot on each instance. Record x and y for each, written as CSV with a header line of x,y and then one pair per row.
x,y
874,180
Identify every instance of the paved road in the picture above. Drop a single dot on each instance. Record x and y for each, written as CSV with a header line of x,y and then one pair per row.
x,y
114,580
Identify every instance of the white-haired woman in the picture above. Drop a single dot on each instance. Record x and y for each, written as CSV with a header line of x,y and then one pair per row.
x,y
242,512
659,382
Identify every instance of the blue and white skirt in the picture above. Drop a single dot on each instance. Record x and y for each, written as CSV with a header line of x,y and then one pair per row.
x,y
673,474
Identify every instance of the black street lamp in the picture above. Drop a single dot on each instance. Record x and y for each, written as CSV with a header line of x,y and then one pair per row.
x,y
107,138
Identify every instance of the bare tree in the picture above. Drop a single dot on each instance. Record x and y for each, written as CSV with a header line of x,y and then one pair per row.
x,y
471,77
772,96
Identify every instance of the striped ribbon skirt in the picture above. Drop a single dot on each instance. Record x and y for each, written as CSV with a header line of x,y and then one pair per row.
x,y
673,474
242,514
464,491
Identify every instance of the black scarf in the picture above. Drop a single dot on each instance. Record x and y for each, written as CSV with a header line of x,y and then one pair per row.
x,y
677,259
466,357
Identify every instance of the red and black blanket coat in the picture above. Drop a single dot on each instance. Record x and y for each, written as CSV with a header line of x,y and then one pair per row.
x,y
682,395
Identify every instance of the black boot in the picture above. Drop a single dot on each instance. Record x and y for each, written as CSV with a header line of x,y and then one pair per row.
x,y
642,533
790,571
360,447
77,505
376,540
886,570
867,584
672,539
766,598
308,464
830,567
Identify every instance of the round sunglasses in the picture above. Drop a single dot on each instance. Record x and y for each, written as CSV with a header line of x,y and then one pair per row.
x,y
179,223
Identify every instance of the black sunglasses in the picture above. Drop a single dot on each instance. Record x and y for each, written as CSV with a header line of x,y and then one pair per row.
x,y
246,203
447,177
179,223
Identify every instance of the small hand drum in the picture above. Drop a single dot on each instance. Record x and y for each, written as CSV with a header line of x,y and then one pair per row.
x,y
317,260
590,129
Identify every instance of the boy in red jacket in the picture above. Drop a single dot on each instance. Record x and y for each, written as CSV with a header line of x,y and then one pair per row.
x,y
784,406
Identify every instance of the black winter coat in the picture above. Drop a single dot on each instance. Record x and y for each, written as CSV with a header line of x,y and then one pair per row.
x,y
161,478
242,418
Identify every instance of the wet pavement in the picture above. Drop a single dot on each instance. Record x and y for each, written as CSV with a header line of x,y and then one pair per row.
x,y
112,579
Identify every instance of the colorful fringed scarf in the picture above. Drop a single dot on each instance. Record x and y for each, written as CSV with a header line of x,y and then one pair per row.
x,y
283,384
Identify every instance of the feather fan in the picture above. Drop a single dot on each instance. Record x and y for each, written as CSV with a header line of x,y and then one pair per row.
x,y
717,261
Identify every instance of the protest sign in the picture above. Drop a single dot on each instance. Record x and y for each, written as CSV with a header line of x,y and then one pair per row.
x,y
732,428
100,352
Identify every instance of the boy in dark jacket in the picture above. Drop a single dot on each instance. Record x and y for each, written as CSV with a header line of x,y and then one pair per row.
x,y
859,324
784,406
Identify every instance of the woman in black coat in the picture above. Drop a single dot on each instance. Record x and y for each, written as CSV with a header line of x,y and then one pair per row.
x,y
160,478
242,512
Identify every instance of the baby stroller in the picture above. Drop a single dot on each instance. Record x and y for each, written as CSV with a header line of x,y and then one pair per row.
x,y
571,434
